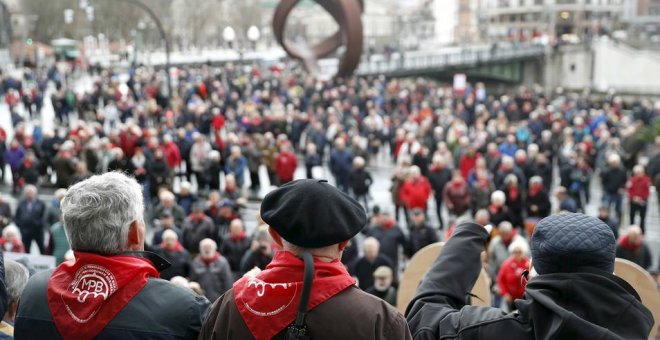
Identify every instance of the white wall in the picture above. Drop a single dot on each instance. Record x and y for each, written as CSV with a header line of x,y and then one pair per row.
x,y
626,69
575,69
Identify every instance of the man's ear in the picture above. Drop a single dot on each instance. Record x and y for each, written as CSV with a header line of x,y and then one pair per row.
x,y
276,237
136,236
343,245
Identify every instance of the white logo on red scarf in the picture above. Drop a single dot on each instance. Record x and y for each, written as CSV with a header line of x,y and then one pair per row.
x,y
91,282
261,291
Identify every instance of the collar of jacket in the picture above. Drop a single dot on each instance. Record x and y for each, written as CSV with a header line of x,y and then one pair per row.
x,y
159,262
610,276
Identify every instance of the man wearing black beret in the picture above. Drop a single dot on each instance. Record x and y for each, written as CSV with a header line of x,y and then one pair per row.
x,y
305,217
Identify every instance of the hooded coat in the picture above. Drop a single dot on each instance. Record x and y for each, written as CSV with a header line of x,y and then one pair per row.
x,y
555,305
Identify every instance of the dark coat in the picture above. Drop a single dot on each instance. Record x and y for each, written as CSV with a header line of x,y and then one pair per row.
x,y
196,230
390,239
65,168
253,259
542,201
438,179
179,263
418,238
360,180
341,163
364,270
233,251
351,314
215,278
5,214
178,316
32,220
641,257
614,180
585,305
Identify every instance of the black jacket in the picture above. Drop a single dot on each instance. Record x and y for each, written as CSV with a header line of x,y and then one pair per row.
x,y
613,180
418,238
360,182
438,179
27,219
555,306
233,251
542,201
641,257
161,310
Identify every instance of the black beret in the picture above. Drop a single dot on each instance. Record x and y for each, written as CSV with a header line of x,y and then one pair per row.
x,y
312,213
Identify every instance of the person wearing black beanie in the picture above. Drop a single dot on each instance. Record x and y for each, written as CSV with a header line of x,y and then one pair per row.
x,y
574,296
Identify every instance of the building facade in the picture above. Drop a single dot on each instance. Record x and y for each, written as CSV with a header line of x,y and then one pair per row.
x,y
568,20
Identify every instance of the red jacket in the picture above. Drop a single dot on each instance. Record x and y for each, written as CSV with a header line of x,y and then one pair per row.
x,y
128,142
218,122
172,154
639,187
509,277
285,165
415,194
467,163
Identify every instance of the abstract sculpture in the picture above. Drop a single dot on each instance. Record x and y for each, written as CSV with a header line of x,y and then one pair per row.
x,y
347,14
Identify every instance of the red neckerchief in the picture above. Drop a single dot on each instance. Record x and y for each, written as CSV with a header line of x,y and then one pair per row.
x,y
238,238
494,209
625,243
176,247
513,193
389,224
535,190
208,261
268,302
86,294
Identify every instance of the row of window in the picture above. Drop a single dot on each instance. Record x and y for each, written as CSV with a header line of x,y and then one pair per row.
x,y
518,3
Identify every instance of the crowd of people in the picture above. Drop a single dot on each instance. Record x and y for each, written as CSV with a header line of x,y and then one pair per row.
x,y
507,159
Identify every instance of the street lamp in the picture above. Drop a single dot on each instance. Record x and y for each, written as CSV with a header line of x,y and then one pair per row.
x,y
89,11
228,34
253,35
163,37
68,16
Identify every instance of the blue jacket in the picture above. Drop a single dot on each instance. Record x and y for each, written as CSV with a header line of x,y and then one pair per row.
x,y
14,157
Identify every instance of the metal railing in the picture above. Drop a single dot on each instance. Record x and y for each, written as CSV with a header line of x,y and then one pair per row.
x,y
414,61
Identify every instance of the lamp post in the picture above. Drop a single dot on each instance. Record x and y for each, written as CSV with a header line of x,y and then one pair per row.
x,y
253,34
229,35
163,37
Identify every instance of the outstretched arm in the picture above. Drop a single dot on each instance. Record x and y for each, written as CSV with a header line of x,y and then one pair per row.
x,y
443,291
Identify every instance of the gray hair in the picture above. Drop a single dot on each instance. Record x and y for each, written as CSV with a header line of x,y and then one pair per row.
x,y
16,278
98,212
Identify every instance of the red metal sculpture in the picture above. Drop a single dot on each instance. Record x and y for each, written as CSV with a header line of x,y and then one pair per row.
x,y
347,14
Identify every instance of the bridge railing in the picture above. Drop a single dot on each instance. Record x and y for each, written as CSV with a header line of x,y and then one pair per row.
x,y
414,61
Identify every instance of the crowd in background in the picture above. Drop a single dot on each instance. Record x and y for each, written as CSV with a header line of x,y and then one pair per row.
x,y
501,158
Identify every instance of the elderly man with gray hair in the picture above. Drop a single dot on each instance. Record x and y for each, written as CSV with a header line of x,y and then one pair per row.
x,y
29,218
16,278
113,283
